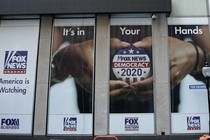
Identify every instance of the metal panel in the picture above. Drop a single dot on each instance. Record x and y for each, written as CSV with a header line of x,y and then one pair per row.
x,y
42,77
14,7
161,75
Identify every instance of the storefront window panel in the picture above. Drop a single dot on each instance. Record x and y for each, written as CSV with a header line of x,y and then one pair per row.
x,y
188,41
18,51
131,87
70,94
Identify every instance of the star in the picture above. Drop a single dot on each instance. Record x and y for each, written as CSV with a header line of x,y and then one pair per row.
x,y
131,51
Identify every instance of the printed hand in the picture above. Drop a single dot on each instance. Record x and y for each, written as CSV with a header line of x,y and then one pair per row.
x,y
76,60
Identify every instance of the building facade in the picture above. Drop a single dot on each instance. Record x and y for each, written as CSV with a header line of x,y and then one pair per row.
x,y
115,69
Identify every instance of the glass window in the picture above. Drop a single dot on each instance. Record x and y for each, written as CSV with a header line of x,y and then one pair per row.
x,y
188,40
71,87
131,87
18,51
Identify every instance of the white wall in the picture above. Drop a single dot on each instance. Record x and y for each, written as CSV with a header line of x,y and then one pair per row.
x,y
189,8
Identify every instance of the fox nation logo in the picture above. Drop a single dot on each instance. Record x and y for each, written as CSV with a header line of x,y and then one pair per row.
x,y
15,62
9,123
70,124
193,123
131,124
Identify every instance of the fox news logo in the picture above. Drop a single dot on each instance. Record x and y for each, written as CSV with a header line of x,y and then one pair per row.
x,y
131,124
131,64
69,124
9,123
193,123
15,62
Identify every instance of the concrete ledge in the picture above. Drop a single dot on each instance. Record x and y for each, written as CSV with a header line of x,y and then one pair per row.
x,y
164,137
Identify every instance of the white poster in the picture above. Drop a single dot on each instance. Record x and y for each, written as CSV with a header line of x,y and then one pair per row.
x,y
70,94
18,52
131,104
188,36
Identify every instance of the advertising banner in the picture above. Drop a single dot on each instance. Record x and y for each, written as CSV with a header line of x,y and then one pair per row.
x,y
18,52
189,45
131,88
70,94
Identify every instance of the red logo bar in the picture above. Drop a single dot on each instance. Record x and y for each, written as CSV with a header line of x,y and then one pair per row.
x,y
108,137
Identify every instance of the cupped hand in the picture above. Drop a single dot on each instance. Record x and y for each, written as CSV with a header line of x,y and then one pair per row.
x,y
144,89
118,89
76,60
204,137
182,57
115,43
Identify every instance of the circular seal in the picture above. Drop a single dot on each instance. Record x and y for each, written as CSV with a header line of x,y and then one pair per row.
x,y
131,64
